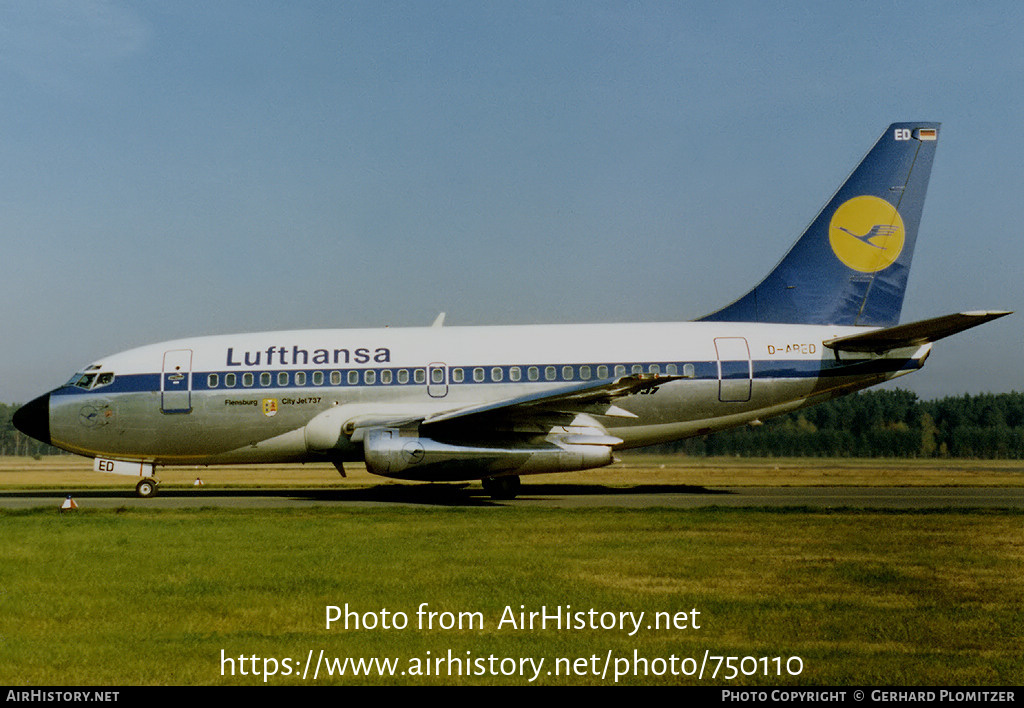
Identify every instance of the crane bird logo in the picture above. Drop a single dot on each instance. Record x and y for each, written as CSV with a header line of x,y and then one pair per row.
x,y
866,233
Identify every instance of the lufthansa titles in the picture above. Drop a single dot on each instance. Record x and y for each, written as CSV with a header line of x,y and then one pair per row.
x,y
297,356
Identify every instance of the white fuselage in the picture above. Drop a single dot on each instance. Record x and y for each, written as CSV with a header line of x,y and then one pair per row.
x,y
252,397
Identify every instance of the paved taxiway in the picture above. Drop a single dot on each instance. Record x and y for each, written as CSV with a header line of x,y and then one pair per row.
x,y
546,495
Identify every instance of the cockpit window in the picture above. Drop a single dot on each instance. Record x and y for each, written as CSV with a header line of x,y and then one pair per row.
x,y
84,381
91,381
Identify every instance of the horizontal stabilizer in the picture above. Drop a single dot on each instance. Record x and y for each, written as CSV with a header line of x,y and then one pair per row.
x,y
913,334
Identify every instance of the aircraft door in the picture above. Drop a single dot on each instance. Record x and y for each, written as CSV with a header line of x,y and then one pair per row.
x,y
437,380
176,382
735,371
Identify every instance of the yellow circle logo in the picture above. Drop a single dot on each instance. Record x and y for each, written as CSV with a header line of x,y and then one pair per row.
x,y
866,233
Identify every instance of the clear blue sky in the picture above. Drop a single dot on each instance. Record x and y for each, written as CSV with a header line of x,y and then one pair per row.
x,y
170,169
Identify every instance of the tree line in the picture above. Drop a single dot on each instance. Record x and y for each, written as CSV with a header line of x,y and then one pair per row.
x,y
880,424
14,442
867,424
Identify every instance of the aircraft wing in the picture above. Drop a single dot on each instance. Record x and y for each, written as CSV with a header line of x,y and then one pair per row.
x,y
913,334
555,430
593,397
540,410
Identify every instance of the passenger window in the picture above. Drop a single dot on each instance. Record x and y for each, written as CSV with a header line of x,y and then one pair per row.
x,y
585,373
671,369
478,374
550,373
437,375
419,376
458,375
620,369
567,373
385,377
533,373
318,378
638,368
688,371
282,378
265,378
247,379
515,373
370,377
353,377
654,369
602,372
335,378
300,378
230,380
497,374
403,376
212,380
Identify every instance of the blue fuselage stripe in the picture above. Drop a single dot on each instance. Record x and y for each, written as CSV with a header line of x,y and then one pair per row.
x,y
505,374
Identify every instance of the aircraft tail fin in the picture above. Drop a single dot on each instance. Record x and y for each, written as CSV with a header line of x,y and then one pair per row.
x,y
850,266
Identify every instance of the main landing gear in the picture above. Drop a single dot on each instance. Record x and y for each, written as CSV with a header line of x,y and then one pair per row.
x,y
504,487
147,487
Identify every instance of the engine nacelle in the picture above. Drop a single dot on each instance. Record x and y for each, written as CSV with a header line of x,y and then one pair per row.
x,y
390,453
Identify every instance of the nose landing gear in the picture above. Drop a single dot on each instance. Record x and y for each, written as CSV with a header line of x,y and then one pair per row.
x,y
147,487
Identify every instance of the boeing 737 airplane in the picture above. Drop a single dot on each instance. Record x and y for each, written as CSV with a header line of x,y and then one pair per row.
x,y
494,403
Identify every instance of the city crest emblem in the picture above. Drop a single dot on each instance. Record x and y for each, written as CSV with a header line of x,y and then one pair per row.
x,y
270,407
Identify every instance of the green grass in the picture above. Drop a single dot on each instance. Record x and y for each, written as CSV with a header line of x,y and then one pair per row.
x,y
152,597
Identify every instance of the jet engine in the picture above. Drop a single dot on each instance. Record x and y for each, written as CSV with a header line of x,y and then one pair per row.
x,y
399,453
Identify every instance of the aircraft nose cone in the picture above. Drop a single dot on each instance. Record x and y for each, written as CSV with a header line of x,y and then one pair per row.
x,y
33,418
